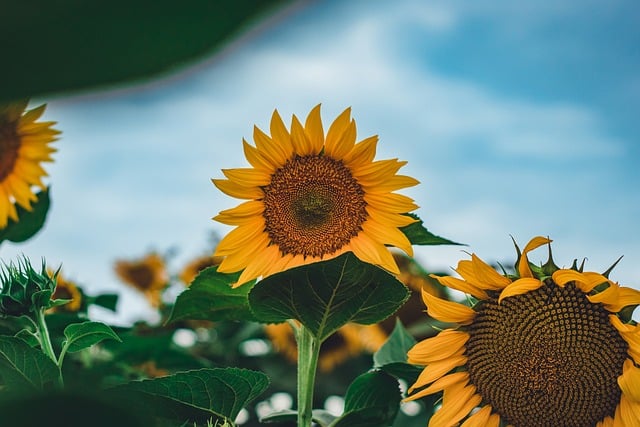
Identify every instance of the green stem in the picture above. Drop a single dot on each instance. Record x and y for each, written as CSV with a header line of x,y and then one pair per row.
x,y
308,352
45,342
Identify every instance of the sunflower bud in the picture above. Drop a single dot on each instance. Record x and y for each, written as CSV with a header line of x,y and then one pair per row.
x,y
24,290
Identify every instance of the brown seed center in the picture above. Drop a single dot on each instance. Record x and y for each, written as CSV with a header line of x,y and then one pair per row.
x,y
9,146
546,358
313,206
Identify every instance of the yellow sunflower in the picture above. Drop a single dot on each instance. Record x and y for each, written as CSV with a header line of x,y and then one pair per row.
x,y
148,274
312,197
546,347
24,145
349,341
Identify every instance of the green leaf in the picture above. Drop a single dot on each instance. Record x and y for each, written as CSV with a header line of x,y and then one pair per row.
x,y
28,337
418,234
54,46
23,367
372,400
211,297
82,335
392,356
29,222
196,395
325,295
108,301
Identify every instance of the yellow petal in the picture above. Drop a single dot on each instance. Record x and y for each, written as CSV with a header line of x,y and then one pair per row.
x,y
302,145
280,136
607,422
242,256
457,402
236,190
248,176
447,311
461,285
242,213
32,115
629,412
392,184
377,172
370,250
238,237
631,334
270,149
479,419
494,421
615,297
259,265
388,235
256,159
584,281
523,264
391,202
519,287
443,345
391,219
435,370
341,137
439,385
487,276
629,381
363,152
313,129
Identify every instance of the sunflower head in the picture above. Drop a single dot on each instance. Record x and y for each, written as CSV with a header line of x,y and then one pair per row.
x,y
148,275
66,290
312,196
24,146
347,342
543,347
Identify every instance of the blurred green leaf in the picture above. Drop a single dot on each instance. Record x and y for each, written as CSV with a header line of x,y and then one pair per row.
x,y
55,46
23,367
29,222
418,234
82,335
319,416
372,400
28,337
392,356
211,297
108,301
327,294
196,395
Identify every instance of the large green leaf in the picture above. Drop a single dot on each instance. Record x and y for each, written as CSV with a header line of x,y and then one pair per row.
x,y
29,222
325,295
196,395
82,335
53,46
211,297
392,356
418,234
23,367
372,400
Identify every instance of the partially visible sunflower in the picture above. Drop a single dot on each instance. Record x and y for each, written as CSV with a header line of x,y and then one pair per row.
x,y
312,197
348,341
24,145
195,266
148,275
66,289
545,347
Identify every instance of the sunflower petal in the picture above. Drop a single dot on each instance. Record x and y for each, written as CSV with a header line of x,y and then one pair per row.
x,y
519,287
341,136
616,297
460,285
629,381
256,159
436,370
313,129
388,235
391,202
479,419
440,384
236,190
584,281
629,333
443,345
457,402
363,152
629,412
447,311
247,176
523,264
280,136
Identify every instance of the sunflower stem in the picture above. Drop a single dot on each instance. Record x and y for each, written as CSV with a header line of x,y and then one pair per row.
x,y
308,352
45,342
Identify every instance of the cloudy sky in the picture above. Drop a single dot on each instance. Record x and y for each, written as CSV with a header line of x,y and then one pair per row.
x,y
518,118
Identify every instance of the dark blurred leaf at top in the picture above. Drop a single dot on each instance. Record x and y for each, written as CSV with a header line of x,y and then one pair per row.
x,y
53,46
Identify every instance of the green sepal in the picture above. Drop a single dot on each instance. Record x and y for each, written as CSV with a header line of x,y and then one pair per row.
x,y
211,297
29,221
326,295
418,234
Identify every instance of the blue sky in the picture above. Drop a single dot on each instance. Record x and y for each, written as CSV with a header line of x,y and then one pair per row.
x,y
518,118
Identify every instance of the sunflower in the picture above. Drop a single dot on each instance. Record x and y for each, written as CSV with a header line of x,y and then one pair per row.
x,y
148,275
195,266
24,145
543,347
348,341
312,197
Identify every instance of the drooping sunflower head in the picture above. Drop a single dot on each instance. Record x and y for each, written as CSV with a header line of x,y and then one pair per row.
x,y
24,146
349,341
543,347
148,274
312,197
